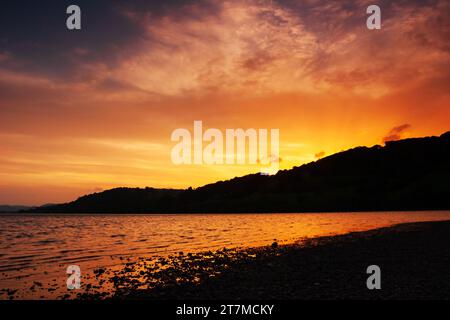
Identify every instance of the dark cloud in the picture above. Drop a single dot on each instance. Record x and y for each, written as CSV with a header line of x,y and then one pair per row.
x,y
35,36
396,133
320,154
115,85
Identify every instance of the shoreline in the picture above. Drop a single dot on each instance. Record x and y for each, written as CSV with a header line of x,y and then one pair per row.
x,y
414,259
210,213
133,240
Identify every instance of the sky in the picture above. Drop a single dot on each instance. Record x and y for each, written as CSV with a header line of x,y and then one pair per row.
x,y
92,109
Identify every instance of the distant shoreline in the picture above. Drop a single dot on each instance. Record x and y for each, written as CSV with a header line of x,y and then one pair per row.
x,y
210,213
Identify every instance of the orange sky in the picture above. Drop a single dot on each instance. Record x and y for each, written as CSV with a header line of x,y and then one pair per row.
x,y
319,75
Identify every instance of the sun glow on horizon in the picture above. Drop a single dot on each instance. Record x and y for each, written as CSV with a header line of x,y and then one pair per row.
x,y
79,116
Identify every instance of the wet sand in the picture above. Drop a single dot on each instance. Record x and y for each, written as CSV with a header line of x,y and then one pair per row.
x,y
414,259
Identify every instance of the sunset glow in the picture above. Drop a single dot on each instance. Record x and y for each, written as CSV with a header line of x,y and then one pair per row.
x,y
88,111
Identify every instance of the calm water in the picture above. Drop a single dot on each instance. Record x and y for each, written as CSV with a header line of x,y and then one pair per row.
x,y
38,248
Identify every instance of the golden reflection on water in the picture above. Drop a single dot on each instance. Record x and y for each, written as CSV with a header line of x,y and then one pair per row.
x,y
35,250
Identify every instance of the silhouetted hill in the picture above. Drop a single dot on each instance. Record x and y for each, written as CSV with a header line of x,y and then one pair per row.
x,y
411,174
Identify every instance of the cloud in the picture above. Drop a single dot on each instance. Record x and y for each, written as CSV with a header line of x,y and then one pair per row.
x,y
239,46
252,47
4,56
320,155
396,133
262,47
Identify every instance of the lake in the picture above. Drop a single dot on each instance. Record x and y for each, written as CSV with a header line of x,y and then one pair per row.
x,y
37,249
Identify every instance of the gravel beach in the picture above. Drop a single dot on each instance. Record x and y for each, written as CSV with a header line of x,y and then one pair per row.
x,y
414,259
